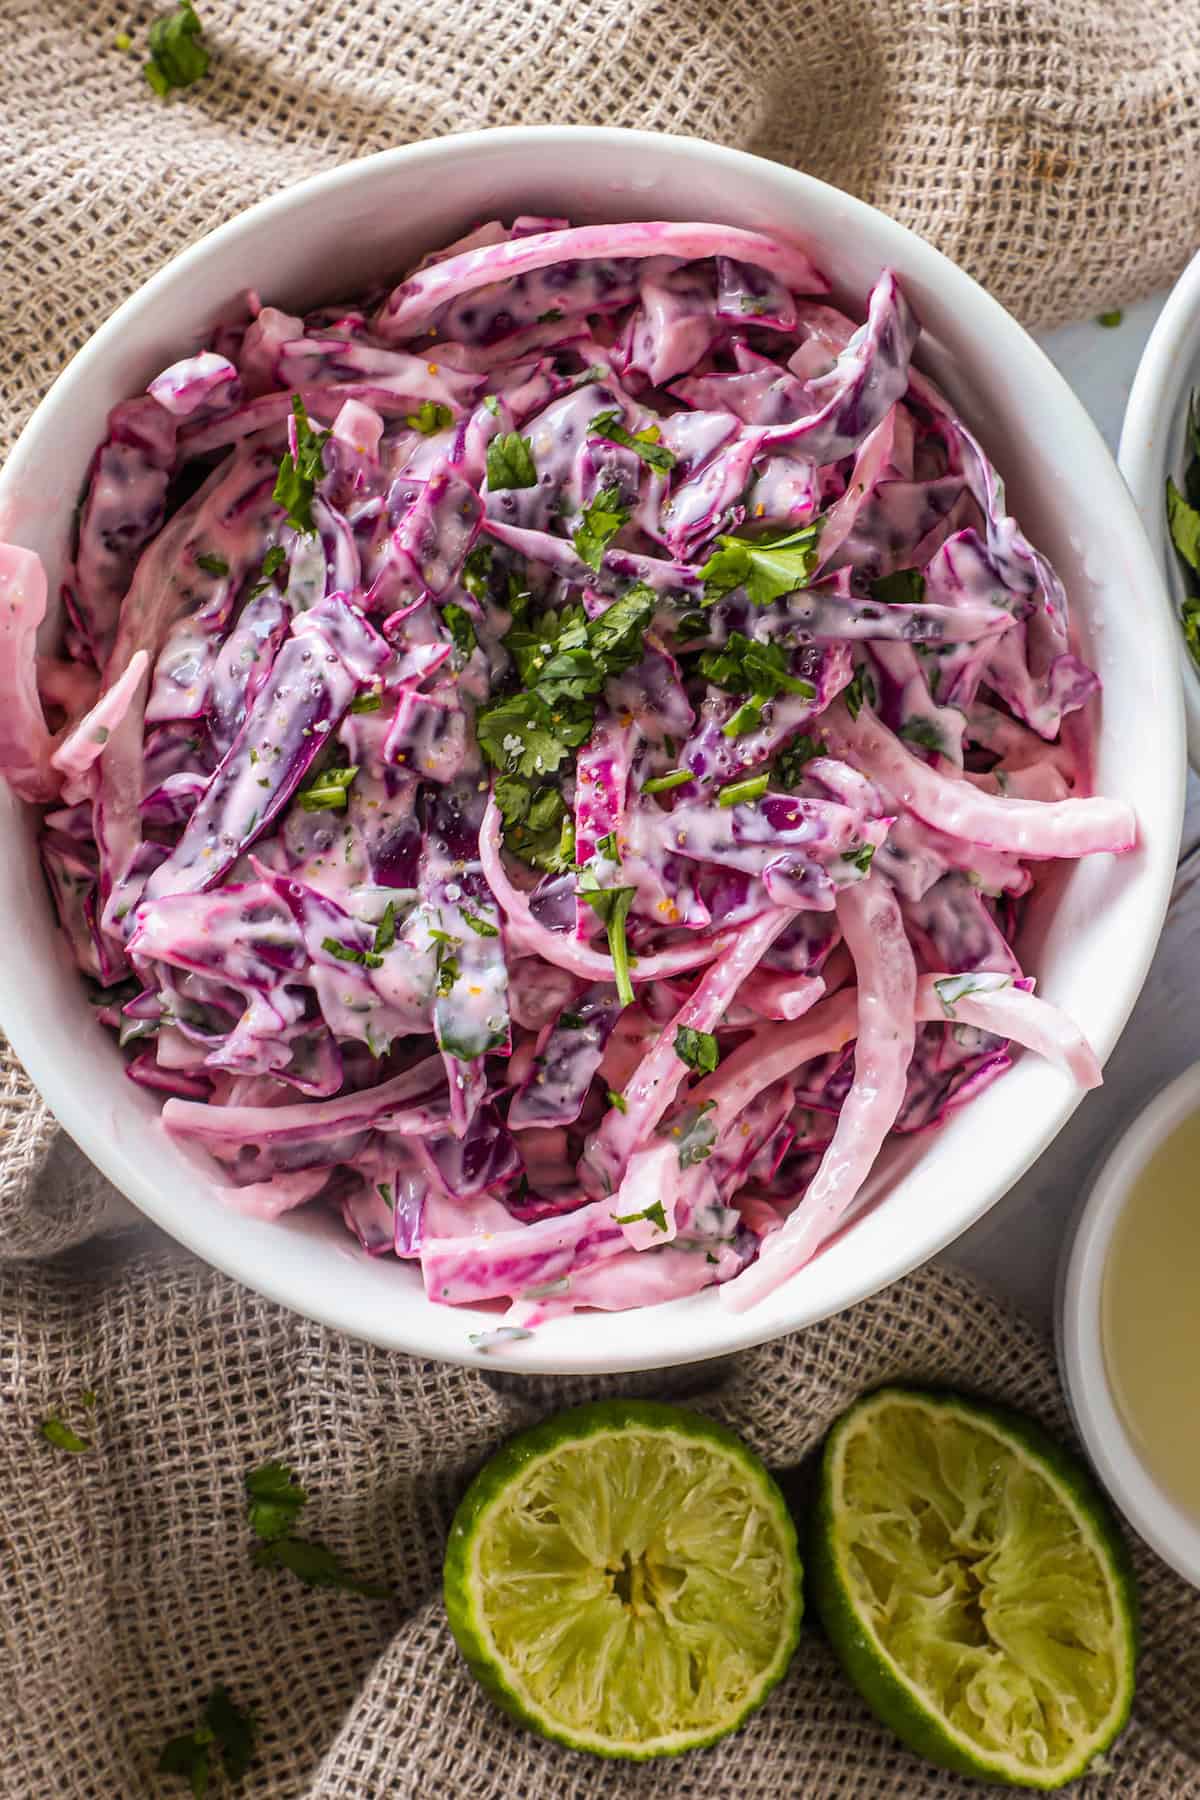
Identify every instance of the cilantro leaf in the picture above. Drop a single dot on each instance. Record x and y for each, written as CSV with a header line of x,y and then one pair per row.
x,y
328,789
611,905
538,827
656,1213
477,570
662,784
300,473
904,587
272,562
696,1134
481,927
601,522
1110,320
212,565
348,954
616,638
316,1565
767,567
860,688
57,1432
790,761
510,462
698,1049
644,443
956,987
225,1731
746,666
385,931
923,732
431,416
461,626
739,793
275,1500
861,858
177,57
1184,521
367,703
618,1101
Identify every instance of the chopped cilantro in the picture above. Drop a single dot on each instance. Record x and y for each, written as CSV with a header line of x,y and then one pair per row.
x,y
611,905
861,688
789,763
1184,521
662,784
607,847
601,522
1110,320
739,793
481,927
58,1433
272,562
510,462
431,416
618,1100
384,1190
316,1565
745,666
367,703
767,567
656,1214
477,570
299,474
177,57
905,587
461,626
861,858
225,1734
698,1049
348,954
923,732
328,790
385,931
212,565
275,1500
644,443
696,1134
952,988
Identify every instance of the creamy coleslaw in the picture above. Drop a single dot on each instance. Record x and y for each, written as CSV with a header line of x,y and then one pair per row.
x,y
547,762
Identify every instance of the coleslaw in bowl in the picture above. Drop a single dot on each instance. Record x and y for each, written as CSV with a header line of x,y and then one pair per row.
x,y
574,736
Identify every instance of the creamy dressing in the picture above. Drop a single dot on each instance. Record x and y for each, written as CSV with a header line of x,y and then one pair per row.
x,y
1150,1320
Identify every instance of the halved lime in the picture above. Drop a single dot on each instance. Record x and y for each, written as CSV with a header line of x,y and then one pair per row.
x,y
974,1585
625,1579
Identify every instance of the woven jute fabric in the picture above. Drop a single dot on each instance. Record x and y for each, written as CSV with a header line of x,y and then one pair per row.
x,y
1052,147
127,1588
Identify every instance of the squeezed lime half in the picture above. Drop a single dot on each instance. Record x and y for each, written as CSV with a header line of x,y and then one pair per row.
x,y
975,1586
625,1579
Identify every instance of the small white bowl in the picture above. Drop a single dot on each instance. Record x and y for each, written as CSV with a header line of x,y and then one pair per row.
x,y
1091,929
1170,1531
1153,446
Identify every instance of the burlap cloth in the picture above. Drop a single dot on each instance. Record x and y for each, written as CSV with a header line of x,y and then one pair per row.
x,y
1053,147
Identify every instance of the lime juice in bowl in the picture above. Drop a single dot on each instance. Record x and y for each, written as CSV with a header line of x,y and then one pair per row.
x,y
1128,1330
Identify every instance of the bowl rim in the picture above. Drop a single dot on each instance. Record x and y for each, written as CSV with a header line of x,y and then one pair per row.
x,y
1169,1530
1152,414
693,1341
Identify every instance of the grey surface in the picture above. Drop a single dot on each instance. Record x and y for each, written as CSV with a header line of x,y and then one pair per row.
x,y
1016,1247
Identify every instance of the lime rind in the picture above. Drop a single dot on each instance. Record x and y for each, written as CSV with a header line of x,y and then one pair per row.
x,y
1041,1627
625,1579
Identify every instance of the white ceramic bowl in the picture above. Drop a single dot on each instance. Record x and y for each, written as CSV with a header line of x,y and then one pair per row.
x,y
1089,939
1166,1528
1153,446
